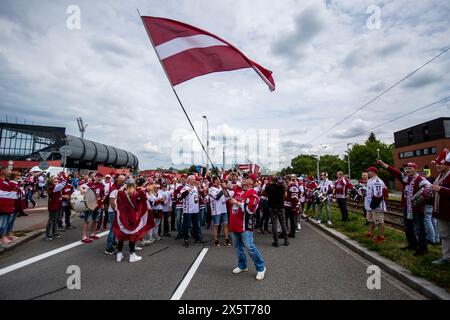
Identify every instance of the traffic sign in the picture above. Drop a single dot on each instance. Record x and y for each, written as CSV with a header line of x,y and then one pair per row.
x,y
65,151
45,154
43,165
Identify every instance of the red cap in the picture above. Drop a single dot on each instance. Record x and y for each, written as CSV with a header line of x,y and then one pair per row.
x,y
372,169
412,165
443,158
99,174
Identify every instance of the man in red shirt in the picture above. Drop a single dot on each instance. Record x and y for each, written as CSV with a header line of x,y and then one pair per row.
x,y
441,207
54,187
91,216
244,204
341,188
65,207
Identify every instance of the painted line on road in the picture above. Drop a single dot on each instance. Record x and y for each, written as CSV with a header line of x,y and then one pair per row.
x,y
189,275
37,209
44,256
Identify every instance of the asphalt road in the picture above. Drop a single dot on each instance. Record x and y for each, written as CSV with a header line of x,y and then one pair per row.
x,y
313,267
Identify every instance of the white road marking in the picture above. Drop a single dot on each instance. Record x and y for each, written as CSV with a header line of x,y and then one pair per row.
x,y
187,279
43,256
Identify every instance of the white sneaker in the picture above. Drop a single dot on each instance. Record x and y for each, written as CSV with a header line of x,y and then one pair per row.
x,y
145,243
260,275
239,270
135,258
152,240
319,222
119,256
329,223
158,239
137,248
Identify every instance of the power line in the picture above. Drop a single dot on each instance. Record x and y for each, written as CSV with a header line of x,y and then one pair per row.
x,y
443,100
381,94
411,112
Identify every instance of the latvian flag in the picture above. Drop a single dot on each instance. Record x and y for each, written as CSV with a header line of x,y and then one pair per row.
x,y
187,52
245,167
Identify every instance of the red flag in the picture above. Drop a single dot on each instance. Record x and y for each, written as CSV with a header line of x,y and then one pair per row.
x,y
187,52
132,219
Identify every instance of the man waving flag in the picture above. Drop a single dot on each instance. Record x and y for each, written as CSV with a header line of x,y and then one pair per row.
x,y
187,52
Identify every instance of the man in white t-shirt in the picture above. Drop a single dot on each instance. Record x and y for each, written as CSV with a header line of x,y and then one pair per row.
x,y
219,213
375,204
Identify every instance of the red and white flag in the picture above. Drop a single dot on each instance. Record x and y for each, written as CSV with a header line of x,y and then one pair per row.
x,y
187,52
245,167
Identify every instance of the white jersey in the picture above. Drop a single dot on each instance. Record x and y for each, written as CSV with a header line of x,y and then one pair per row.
x,y
167,196
301,190
151,198
191,201
41,181
218,204
112,195
325,187
375,187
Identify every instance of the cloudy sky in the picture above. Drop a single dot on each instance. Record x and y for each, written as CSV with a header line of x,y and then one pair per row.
x,y
328,58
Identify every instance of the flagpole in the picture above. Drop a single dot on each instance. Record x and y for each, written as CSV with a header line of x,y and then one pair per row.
x,y
178,98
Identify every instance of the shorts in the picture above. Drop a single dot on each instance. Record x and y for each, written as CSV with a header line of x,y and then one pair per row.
x,y
91,215
375,216
220,219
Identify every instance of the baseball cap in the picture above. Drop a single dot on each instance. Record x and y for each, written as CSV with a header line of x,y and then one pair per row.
x,y
412,165
372,169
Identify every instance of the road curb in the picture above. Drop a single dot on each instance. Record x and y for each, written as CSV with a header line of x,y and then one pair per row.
x,y
425,287
22,240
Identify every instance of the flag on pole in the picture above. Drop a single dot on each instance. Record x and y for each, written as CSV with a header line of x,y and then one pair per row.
x,y
255,169
187,52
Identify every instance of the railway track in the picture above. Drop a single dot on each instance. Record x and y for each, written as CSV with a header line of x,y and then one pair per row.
x,y
393,216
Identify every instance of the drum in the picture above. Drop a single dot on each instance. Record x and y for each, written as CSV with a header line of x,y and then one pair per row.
x,y
421,196
83,199
358,193
318,197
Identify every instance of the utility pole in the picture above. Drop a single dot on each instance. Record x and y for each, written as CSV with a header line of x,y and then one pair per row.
x,y
207,140
348,161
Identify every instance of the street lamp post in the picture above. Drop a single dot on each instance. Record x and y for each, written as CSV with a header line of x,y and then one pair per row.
x,y
207,141
317,165
348,161
378,152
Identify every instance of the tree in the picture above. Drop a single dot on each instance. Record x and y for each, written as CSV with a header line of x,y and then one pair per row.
x,y
372,138
332,164
365,155
304,164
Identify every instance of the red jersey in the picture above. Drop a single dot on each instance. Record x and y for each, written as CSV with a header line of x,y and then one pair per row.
x,y
241,217
8,196
99,189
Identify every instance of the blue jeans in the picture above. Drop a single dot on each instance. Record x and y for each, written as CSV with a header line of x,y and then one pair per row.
x,y
245,239
29,196
6,223
110,240
188,219
4,218
431,225
179,219
10,225
202,216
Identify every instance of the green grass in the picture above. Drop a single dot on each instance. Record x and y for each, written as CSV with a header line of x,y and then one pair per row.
x,y
390,248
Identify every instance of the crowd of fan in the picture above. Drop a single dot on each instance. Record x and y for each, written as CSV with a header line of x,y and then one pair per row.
x,y
282,201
